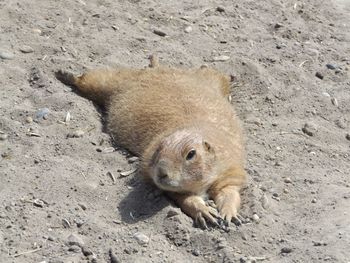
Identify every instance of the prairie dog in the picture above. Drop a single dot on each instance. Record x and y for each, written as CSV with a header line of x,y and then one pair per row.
x,y
181,125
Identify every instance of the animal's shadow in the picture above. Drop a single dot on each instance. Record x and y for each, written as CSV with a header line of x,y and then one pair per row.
x,y
142,202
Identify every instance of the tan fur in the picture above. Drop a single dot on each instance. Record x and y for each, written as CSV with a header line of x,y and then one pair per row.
x,y
161,114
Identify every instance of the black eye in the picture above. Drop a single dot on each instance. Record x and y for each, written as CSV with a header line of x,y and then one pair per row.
x,y
190,155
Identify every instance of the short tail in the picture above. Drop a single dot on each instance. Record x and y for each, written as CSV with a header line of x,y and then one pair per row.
x,y
96,85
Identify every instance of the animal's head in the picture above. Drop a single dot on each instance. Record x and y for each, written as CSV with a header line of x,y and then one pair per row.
x,y
183,162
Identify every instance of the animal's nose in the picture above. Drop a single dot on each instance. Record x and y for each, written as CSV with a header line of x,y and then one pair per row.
x,y
162,173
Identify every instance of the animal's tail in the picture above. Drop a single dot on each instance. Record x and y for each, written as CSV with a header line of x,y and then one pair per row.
x,y
97,85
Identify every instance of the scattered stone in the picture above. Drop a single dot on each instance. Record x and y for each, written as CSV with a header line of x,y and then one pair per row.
x,y
340,123
37,78
3,136
113,258
86,251
220,9
82,206
221,58
196,252
334,102
67,118
159,32
319,243
172,212
76,134
264,201
42,113
244,236
314,200
285,190
141,238
29,119
74,248
309,129
127,173
222,243
26,49
66,223
347,136
75,240
331,66
133,159
38,203
255,218
275,194
6,55
288,180
188,29
286,250
319,75
278,25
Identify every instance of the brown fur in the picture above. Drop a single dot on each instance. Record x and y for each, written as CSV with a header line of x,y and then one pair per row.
x,y
161,114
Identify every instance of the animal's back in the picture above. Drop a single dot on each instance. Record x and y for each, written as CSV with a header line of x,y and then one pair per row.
x,y
158,101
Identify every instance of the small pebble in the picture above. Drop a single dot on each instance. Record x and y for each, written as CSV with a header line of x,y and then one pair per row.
x,y
334,102
113,257
314,200
74,248
42,113
159,32
26,49
264,201
340,123
319,75
76,134
3,136
75,240
309,129
188,29
172,212
286,250
221,58
285,190
82,206
195,252
220,9
66,223
29,119
347,136
256,218
331,66
278,25
288,180
141,238
6,55
87,251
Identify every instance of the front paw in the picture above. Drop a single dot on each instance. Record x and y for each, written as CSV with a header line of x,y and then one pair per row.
x,y
195,207
228,202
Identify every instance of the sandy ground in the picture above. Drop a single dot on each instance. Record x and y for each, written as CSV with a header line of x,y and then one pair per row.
x,y
59,204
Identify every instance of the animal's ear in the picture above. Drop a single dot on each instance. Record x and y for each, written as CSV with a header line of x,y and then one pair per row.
x,y
208,147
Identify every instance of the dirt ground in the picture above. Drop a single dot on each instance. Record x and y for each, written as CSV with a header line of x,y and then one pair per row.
x,y
291,62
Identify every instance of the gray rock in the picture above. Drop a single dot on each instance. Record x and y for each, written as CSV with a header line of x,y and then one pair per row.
x,y
75,240
6,55
309,129
159,32
188,29
26,49
196,252
42,113
3,136
173,212
340,123
347,136
75,249
288,180
331,66
319,75
286,250
141,238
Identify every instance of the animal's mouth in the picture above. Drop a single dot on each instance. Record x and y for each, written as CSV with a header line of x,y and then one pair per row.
x,y
167,184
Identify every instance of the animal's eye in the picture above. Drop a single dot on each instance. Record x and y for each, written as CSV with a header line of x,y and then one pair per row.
x,y
190,155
